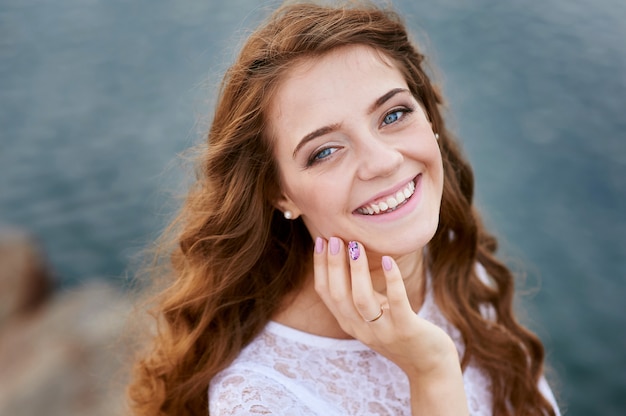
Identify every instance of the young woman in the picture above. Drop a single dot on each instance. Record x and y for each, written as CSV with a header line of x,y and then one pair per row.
x,y
328,259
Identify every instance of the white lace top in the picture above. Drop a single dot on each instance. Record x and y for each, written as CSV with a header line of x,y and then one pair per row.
x,y
285,371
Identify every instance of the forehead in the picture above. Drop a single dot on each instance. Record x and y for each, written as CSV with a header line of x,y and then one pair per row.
x,y
356,59
357,56
350,75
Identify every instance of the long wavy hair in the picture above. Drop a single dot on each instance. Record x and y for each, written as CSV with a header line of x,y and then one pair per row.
x,y
231,259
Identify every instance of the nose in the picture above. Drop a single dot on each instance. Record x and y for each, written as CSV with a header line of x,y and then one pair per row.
x,y
377,158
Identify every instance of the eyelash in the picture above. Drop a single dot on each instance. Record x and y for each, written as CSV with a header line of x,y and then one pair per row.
x,y
315,156
404,110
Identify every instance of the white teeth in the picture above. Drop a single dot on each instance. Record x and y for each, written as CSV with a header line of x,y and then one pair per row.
x,y
390,203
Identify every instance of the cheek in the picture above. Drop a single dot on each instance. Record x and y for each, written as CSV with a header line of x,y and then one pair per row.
x,y
319,204
439,168
435,161
317,200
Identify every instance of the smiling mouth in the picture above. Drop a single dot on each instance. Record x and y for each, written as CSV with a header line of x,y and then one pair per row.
x,y
389,203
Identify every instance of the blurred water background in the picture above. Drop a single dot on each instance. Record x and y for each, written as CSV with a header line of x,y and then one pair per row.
x,y
98,97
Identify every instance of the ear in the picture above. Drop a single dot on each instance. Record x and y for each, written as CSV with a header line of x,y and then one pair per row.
x,y
285,204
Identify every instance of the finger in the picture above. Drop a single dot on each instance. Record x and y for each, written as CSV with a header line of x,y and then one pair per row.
x,y
399,305
363,296
320,268
339,285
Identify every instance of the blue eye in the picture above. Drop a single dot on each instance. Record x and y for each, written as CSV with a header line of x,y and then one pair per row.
x,y
324,153
321,156
393,117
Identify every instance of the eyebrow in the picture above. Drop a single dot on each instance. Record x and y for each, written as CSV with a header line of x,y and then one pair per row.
x,y
386,97
333,127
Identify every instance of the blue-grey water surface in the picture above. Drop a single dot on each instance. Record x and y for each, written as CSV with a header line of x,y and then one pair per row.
x,y
98,97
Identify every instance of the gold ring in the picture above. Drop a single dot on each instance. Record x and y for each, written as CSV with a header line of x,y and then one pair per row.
x,y
377,317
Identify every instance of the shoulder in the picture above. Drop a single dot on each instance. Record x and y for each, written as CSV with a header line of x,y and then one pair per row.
x,y
489,313
243,391
276,374
545,389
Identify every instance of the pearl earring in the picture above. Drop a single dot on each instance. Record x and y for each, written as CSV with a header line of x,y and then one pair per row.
x,y
288,215
437,136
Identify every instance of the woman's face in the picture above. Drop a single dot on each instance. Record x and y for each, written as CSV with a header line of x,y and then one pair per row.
x,y
356,152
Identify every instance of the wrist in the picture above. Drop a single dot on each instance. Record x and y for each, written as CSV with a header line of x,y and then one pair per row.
x,y
439,360
438,389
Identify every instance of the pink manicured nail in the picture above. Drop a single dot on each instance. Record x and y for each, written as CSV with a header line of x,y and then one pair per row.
x,y
353,250
334,245
319,245
387,263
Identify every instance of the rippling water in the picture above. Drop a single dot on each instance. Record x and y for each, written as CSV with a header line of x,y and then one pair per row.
x,y
97,98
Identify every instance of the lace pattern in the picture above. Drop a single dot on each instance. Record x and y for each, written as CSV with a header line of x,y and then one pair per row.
x,y
289,372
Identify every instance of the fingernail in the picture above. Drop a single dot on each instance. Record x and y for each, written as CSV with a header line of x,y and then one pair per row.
x,y
334,245
353,250
387,263
319,245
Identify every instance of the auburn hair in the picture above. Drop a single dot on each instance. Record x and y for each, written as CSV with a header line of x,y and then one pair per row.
x,y
230,259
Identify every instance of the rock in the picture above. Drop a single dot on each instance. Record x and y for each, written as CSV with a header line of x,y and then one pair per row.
x,y
25,277
66,356
72,359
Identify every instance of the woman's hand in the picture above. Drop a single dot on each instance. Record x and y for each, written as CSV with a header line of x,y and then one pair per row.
x,y
387,324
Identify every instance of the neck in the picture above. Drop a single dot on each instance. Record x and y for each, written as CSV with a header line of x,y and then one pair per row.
x,y
412,269
305,310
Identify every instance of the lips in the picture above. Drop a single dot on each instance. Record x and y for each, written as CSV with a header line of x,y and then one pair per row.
x,y
390,202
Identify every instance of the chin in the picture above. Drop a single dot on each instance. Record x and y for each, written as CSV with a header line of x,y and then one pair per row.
x,y
404,245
